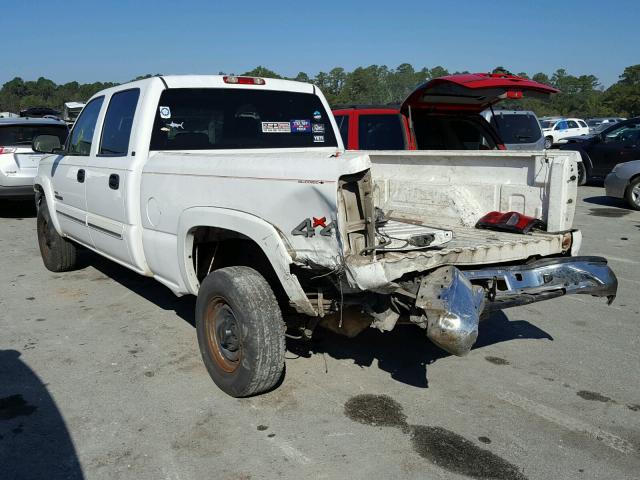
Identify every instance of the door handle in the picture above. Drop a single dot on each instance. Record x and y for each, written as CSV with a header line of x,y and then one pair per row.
x,y
114,181
80,176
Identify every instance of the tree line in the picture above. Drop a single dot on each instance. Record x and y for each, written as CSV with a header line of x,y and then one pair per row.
x,y
581,96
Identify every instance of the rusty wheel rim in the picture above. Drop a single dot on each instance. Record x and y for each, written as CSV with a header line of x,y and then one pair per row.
x,y
223,335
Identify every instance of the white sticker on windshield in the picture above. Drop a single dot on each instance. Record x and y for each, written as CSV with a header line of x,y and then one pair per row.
x,y
165,112
276,127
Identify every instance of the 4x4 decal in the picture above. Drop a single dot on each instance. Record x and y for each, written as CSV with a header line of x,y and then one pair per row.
x,y
307,227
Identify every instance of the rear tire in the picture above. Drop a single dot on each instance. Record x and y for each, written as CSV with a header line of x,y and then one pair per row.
x,y
58,253
240,331
583,176
548,142
632,194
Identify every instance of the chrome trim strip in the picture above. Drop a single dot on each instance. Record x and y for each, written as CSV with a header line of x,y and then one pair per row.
x,y
72,218
105,231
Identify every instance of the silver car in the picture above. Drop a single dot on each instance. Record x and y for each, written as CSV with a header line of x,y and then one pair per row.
x,y
519,130
18,162
624,182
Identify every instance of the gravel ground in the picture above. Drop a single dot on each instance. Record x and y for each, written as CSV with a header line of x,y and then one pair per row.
x,y
101,378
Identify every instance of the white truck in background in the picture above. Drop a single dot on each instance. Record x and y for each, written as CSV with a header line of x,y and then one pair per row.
x,y
238,190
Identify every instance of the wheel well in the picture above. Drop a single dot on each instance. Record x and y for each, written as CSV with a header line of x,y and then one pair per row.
x,y
214,248
631,180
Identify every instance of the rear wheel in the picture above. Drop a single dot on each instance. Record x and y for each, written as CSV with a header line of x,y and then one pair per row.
x,y
548,142
58,253
583,177
632,195
240,331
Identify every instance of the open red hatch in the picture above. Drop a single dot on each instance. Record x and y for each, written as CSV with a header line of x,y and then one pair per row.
x,y
473,92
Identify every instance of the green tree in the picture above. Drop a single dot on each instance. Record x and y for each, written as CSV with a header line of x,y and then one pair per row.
x,y
262,72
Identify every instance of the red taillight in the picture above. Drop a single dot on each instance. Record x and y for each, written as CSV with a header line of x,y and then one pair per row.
x,y
243,80
510,222
4,150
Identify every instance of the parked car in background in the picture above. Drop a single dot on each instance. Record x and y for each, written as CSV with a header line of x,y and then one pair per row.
x,y
39,112
373,127
555,131
446,115
602,151
624,182
18,161
71,111
518,129
599,124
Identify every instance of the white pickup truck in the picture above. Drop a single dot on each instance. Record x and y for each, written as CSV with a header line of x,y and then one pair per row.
x,y
239,190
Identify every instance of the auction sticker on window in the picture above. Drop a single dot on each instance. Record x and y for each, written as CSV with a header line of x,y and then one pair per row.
x,y
276,127
300,126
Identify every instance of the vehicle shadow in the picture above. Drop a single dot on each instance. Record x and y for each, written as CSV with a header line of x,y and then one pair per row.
x,y
17,209
405,352
146,287
34,440
606,201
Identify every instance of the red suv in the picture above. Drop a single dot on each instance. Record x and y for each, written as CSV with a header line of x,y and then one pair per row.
x,y
441,114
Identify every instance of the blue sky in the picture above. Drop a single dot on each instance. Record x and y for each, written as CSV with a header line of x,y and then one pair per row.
x,y
118,40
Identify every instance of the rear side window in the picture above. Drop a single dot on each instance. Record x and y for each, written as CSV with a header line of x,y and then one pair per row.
x,y
582,124
14,135
515,129
82,133
380,132
343,127
234,118
118,122
572,124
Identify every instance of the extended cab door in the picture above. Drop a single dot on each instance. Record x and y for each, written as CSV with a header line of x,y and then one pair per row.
x,y
68,174
109,176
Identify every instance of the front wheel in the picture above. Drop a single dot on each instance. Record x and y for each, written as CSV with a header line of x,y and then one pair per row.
x,y
632,195
58,253
548,142
240,331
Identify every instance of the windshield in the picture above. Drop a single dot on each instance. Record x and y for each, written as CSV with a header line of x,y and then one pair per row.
x,y
546,124
13,135
226,118
516,128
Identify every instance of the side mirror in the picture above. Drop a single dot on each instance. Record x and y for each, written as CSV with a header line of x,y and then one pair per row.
x,y
46,144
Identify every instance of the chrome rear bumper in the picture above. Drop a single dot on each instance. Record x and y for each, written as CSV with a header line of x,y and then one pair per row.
x,y
453,300
548,278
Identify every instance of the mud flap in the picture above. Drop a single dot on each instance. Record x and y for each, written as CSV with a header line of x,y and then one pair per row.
x,y
452,307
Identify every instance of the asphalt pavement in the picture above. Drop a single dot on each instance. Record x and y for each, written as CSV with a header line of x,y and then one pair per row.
x,y
101,378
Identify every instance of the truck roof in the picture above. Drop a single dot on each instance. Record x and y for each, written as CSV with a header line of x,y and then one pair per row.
x,y
215,81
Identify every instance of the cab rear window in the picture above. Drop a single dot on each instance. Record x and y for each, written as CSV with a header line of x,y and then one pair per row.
x,y
226,118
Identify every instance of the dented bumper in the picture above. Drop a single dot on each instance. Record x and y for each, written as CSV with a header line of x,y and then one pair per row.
x,y
453,300
523,284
